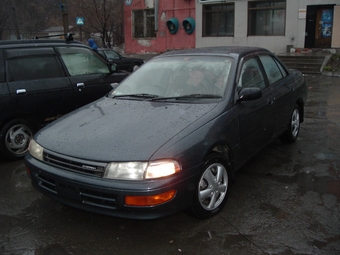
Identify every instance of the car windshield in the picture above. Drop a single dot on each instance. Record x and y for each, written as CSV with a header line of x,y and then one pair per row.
x,y
111,54
178,77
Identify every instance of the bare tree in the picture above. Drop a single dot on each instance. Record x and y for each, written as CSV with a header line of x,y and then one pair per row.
x,y
4,17
25,19
102,17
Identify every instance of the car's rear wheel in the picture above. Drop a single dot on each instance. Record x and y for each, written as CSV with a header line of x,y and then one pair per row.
x,y
212,188
15,137
293,129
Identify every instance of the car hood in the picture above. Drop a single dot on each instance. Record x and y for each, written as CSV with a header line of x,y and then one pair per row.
x,y
122,130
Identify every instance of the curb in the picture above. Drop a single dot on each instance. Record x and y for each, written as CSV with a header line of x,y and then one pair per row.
x,y
332,74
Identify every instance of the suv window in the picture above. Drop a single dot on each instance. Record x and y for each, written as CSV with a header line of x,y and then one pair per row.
x,y
80,61
33,67
32,63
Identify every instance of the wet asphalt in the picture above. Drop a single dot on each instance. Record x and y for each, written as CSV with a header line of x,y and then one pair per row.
x,y
284,201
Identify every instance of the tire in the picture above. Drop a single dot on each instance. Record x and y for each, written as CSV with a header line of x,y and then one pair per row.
x,y
212,188
293,129
134,67
15,137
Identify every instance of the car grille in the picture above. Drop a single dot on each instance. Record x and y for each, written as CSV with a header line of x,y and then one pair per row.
x,y
75,165
82,195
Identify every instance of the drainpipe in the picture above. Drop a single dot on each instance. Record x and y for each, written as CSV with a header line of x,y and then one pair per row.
x,y
156,15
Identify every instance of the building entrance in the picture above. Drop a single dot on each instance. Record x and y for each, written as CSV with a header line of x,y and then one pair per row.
x,y
319,26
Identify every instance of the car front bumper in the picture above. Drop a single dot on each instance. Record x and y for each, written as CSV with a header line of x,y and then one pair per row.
x,y
106,196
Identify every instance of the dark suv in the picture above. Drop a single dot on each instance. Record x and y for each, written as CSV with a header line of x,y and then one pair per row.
x,y
40,80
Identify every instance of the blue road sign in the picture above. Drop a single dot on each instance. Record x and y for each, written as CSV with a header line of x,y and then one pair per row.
x,y
80,21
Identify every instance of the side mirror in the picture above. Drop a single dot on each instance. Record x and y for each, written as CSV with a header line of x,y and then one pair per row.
x,y
114,85
112,66
247,94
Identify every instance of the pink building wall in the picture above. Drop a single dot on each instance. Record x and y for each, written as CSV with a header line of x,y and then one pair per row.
x,y
164,40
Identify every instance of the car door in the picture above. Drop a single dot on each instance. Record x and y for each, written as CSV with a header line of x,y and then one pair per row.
x,y
282,87
88,73
37,83
255,117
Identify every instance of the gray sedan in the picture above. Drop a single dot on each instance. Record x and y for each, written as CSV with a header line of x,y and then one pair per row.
x,y
171,136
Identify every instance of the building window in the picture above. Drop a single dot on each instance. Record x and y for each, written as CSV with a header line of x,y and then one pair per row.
x,y
218,20
144,23
266,17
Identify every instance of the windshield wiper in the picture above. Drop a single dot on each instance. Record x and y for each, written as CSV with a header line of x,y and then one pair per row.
x,y
191,96
140,95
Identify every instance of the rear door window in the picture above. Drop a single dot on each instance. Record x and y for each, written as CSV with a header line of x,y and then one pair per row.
x,y
34,64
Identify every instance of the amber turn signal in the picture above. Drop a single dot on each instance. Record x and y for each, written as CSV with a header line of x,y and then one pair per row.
x,y
150,200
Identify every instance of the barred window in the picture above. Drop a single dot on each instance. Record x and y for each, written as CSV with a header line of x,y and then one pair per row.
x,y
266,17
218,20
144,23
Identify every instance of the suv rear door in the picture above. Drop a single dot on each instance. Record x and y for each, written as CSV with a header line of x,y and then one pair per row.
x,y
38,84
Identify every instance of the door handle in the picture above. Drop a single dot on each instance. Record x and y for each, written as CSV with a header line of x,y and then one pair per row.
x,y
21,91
270,102
80,85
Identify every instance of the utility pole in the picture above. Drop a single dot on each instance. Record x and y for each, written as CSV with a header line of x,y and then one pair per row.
x,y
15,22
64,13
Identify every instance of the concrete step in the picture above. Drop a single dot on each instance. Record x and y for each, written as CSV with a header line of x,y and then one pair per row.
x,y
306,63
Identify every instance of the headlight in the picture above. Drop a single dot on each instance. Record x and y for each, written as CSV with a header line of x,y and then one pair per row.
x,y
36,150
141,170
157,169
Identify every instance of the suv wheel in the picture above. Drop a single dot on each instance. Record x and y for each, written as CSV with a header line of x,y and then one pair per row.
x,y
15,137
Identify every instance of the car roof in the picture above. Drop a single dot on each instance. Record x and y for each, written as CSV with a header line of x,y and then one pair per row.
x,y
36,42
218,50
106,49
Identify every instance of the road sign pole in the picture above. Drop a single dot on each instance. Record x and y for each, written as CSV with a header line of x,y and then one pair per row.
x,y
81,33
63,8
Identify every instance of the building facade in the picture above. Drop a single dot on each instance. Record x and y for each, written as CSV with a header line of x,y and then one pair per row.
x,y
158,25
279,25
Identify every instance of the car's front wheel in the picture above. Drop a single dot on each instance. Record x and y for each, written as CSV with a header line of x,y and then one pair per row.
x,y
15,137
134,67
293,129
212,188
